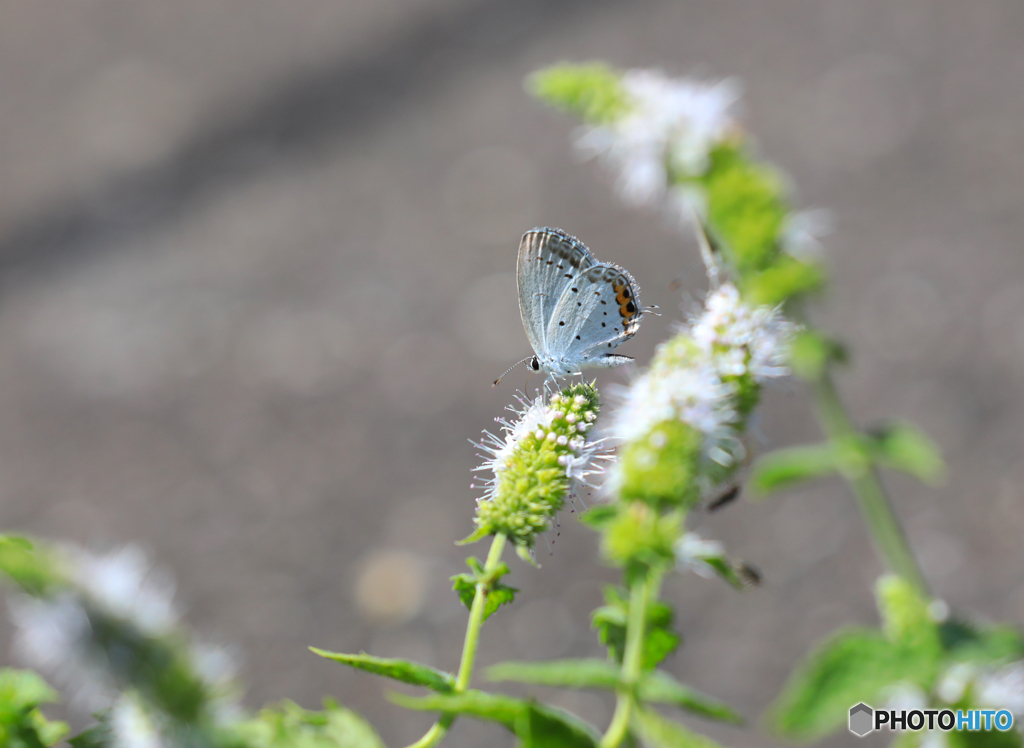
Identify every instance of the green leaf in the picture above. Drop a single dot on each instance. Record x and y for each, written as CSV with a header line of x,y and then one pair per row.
x,y
288,725
576,673
600,516
499,594
902,446
504,710
478,534
610,622
659,732
787,467
396,669
854,665
527,719
661,688
592,91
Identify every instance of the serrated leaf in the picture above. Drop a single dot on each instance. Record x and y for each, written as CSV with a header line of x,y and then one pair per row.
x,y
599,516
904,447
659,732
854,665
499,594
569,673
661,688
787,467
405,671
513,713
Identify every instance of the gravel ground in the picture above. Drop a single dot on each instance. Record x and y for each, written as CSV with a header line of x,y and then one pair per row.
x,y
256,276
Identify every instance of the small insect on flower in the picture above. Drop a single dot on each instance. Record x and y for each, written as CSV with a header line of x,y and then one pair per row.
x,y
530,469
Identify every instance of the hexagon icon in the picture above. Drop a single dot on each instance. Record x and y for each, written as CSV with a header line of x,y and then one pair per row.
x,y
862,719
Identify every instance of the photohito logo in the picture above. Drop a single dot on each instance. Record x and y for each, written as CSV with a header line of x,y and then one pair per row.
x,y
865,720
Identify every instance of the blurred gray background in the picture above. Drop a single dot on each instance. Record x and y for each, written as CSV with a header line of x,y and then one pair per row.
x,y
256,276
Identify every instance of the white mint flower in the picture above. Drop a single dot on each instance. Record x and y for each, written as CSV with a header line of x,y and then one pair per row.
x,y
672,123
740,339
695,395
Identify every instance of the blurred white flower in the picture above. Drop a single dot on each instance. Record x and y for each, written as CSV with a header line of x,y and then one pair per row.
x,y
131,726
53,635
672,125
1002,688
122,584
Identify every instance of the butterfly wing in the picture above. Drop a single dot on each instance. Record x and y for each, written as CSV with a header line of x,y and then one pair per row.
x,y
597,311
549,261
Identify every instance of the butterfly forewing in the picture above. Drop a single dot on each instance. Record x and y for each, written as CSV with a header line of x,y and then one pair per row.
x,y
549,262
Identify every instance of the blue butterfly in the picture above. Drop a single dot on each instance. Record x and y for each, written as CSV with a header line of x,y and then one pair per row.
x,y
576,310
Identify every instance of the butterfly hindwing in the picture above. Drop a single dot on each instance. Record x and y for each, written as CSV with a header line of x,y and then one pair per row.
x,y
549,262
601,311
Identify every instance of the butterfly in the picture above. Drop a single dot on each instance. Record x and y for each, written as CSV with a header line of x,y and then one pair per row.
x,y
576,310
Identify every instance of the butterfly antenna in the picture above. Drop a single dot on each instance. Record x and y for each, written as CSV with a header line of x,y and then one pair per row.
x,y
495,384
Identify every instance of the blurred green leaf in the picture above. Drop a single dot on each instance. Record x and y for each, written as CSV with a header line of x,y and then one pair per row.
x,y
28,567
902,446
97,736
288,725
600,516
527,719
660,687
402,670
854,665
581,673
967,641
787,467
785,278
811,353
545,727
659,732
22,723
592,91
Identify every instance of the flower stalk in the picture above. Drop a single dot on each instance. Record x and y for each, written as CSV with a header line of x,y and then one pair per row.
x,y
875,506
471,643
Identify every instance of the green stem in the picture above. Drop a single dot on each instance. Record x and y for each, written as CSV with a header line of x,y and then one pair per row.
x,y
476,618
875,507
640,595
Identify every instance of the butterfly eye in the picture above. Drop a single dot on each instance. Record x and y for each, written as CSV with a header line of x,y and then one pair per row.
x,y
535,364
